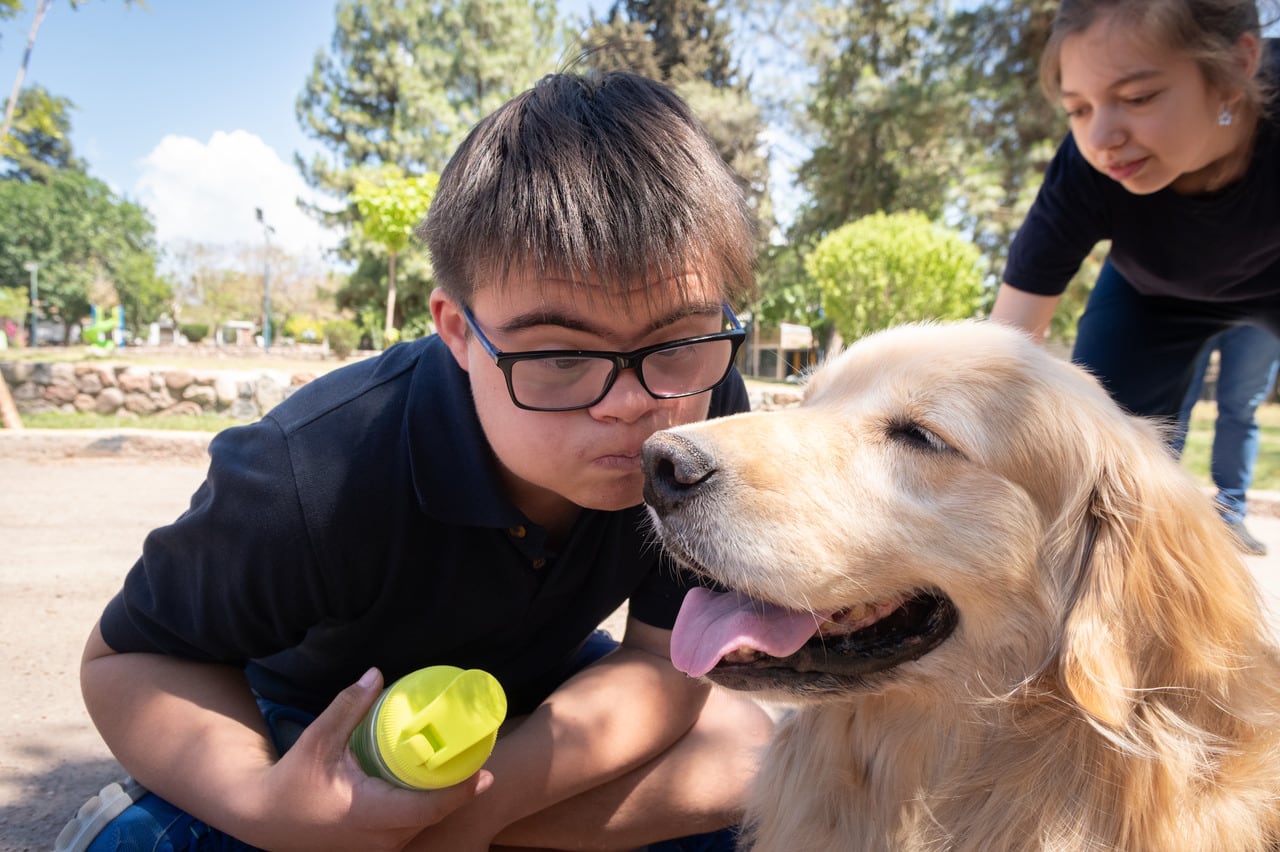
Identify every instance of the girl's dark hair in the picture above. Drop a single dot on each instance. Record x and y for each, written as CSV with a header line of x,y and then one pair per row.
x,y
1205,31
608,178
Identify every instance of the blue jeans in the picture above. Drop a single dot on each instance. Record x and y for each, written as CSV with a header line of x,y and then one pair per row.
x,y
1248,359
1144,349
154,825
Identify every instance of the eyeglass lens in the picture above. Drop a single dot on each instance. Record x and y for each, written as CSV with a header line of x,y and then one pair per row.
x,y
566,382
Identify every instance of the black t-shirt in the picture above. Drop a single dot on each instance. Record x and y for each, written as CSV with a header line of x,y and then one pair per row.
x,y
362,523
1216,247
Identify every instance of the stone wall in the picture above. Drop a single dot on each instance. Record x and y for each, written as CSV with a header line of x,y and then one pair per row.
x,y
108,388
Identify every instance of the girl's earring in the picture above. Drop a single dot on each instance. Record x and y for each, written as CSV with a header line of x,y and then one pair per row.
x,y
1225,117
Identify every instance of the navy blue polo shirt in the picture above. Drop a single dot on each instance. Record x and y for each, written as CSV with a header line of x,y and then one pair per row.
x,y
362,522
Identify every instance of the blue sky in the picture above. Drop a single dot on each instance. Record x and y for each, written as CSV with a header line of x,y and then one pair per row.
x,y
187,106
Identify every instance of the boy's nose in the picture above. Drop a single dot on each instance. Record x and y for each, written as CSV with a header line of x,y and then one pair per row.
x,y
626,401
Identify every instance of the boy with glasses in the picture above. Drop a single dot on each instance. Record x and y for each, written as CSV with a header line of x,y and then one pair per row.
x,y
470,499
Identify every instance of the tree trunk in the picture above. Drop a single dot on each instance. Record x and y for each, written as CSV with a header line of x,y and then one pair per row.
x,y
41,10
8,410
389,327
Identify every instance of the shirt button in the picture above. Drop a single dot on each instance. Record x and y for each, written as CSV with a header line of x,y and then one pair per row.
x,y
516,532
538,564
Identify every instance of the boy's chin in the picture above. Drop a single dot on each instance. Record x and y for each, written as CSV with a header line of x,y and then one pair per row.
x,y
613,500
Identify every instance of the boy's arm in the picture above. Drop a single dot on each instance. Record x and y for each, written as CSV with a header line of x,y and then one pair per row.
x,y
192,732
610,719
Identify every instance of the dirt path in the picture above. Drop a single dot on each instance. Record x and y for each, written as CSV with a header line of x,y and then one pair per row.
x,y
69,529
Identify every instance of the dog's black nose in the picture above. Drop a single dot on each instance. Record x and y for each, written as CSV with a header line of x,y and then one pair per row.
x,y
675,468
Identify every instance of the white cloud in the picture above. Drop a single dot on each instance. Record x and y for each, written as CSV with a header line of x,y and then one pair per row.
x,y
207,193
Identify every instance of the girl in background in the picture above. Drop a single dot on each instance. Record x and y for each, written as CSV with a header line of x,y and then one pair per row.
x,y
1173,156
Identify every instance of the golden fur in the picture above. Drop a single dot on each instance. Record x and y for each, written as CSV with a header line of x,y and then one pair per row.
x,y
1111,683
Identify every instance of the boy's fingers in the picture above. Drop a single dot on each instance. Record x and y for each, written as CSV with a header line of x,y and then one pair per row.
x,y
346,710
445,801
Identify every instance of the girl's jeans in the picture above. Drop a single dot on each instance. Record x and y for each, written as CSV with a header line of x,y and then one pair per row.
x,y
1248,358
1144,349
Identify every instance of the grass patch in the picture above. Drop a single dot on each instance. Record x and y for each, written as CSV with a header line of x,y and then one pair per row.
x,y
1266,472
90,420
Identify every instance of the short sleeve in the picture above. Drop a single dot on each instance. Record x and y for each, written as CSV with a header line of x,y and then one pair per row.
x,y
1067,219
233,578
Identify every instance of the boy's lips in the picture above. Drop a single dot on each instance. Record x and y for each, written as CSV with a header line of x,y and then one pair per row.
x,y
619,458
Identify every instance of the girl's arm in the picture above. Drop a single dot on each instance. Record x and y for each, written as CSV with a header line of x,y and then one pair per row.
x,y
1030,312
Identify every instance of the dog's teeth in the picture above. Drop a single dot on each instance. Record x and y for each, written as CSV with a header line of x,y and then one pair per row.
x,y
741,654
852,614
857,617
844,620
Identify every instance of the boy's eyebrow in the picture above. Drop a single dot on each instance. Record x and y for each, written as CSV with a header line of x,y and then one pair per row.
x,y
575,322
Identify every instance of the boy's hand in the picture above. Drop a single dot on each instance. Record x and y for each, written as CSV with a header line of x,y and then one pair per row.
x,y
320,789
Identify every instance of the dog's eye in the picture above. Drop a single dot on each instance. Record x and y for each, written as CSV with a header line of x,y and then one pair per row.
x,y
918,436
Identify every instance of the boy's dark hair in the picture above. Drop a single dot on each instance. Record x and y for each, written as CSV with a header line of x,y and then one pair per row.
x,y
608,178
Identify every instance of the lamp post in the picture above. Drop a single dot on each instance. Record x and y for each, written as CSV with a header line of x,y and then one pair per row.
x,y
34,268
267,231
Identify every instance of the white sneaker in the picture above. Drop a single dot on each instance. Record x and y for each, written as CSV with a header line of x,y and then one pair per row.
x,y
93,816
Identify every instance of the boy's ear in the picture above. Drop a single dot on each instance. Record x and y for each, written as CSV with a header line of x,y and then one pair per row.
x,y
450,325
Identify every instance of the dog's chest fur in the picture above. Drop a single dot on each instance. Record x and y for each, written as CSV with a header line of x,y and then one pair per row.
x,y
883,775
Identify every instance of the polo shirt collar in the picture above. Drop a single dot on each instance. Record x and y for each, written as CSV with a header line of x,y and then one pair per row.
x,y
454,472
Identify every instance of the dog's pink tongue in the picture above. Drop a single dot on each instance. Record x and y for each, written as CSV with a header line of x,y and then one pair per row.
x,y
711,624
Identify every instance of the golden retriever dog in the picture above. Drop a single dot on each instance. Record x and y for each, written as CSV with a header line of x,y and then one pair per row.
x,y
1004,615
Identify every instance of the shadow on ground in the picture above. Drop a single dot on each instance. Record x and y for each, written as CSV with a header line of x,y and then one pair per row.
x,y
41,803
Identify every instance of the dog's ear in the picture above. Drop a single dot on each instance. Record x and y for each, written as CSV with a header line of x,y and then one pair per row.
x,y
1160,598
1095,664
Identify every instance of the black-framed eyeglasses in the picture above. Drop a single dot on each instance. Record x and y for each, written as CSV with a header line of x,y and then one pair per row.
x,y
568,379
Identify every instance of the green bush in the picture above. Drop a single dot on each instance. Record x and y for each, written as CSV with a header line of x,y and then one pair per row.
x,y
884,270
194,331
304,328
342,336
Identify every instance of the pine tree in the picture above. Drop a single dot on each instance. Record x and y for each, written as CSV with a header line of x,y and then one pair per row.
x,y
400,86
883,109
403,82
686,44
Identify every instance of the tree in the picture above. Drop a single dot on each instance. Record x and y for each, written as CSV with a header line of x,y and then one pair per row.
x,y
391,206
1009,129
685,43
673,40
401,84
886,269
215,283
91,247
404,82
42,9
881,108
39,142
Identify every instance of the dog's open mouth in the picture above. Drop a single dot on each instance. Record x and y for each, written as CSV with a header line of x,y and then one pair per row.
x,y
746,644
